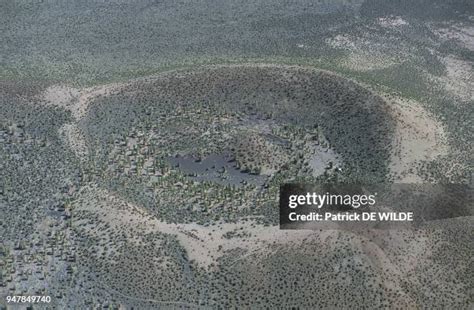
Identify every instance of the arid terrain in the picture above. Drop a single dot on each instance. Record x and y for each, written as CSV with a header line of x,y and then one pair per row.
x,y
143,146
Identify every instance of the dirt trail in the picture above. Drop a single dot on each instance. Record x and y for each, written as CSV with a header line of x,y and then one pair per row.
x,y
204,244
78,100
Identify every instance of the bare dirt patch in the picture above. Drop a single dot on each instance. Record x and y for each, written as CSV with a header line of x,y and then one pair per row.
x,y
77,100
459,79
73,136
464,34
204,244
418,137
362,56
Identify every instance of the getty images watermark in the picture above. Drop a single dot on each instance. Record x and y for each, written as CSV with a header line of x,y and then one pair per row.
x,y
382,206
